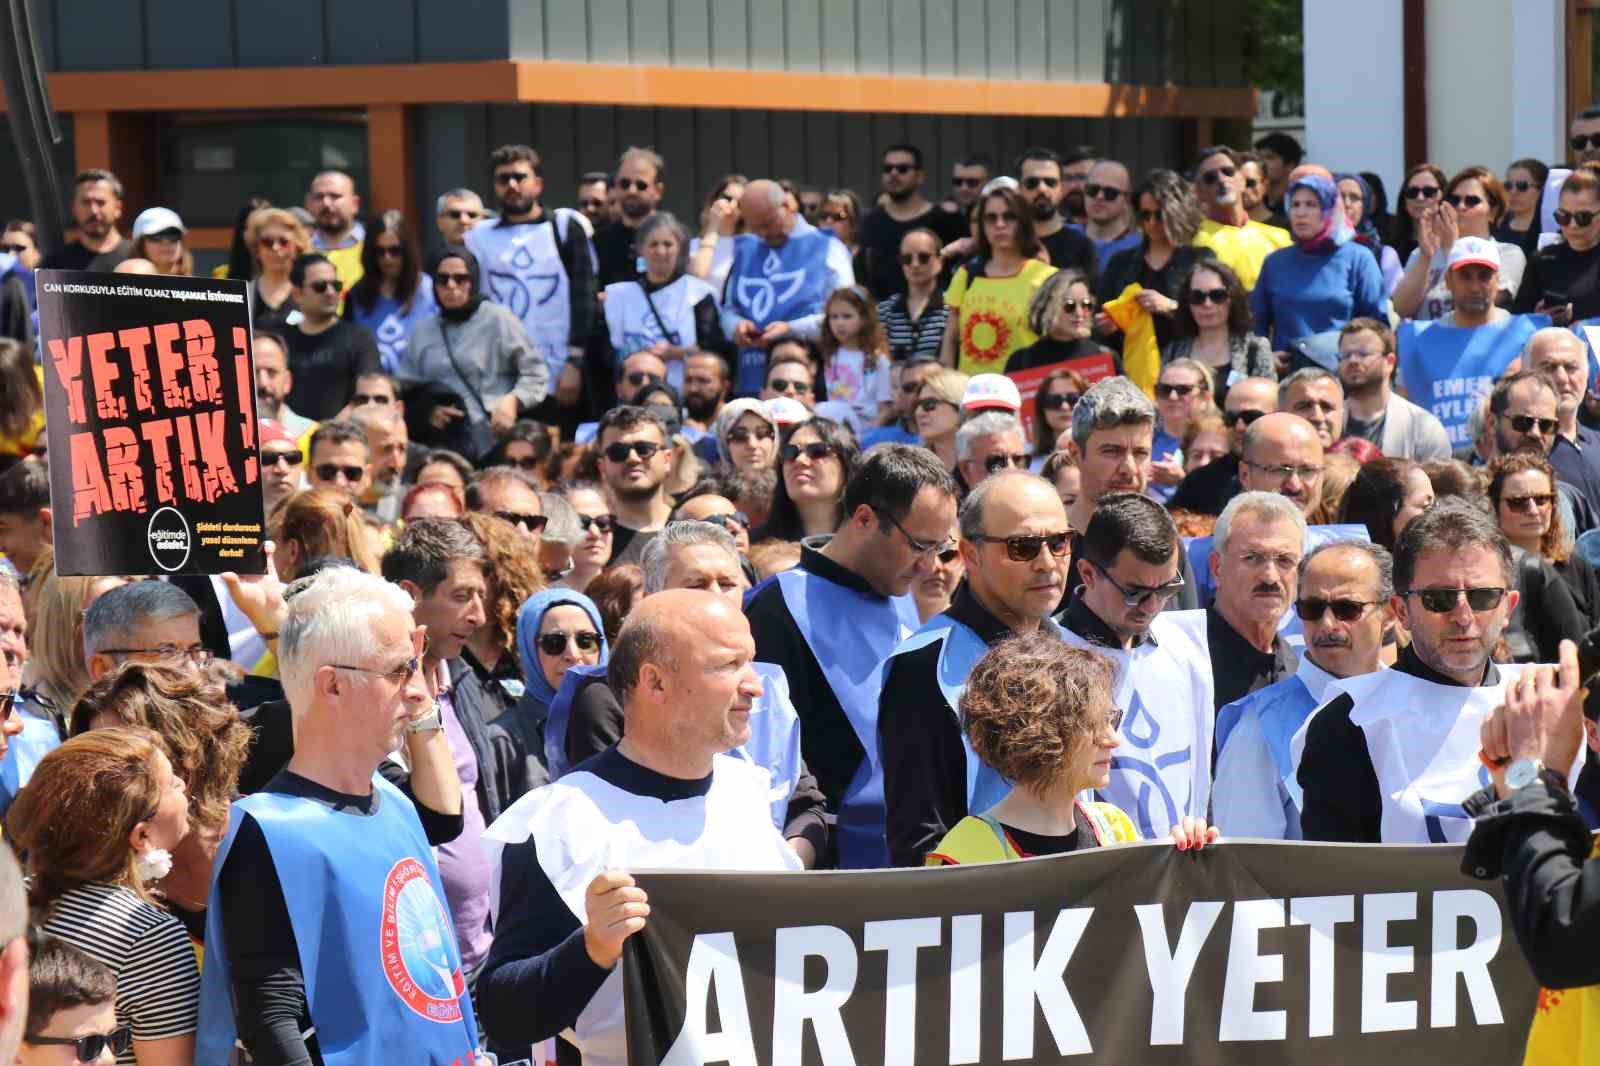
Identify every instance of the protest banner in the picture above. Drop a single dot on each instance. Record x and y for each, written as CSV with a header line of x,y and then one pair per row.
x,y
151,425
1243,953
1447,370
1092,367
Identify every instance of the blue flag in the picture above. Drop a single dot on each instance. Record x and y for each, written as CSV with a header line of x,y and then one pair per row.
x,y
1447,370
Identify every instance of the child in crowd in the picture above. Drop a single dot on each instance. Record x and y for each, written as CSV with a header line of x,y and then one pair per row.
x,y
855,361
72,1016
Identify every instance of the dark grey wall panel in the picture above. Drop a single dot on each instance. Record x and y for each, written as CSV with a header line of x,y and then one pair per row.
x,y
285,33
189,33
14,193
99,35
358,34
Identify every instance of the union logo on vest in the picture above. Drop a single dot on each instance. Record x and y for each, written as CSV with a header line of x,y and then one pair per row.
x,y
761,295
418,945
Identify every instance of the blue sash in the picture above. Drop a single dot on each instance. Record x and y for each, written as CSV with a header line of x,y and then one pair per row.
x,y
377,951
770,285
39,737
852,634
560,717
1281,709
1447,370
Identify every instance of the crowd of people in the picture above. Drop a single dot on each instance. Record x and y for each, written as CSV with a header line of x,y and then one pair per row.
x,y
601,541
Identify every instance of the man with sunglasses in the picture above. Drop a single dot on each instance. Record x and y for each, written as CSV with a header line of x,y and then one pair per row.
x,y
340,459
902,209
790,375
281,463
71,1010
988,444
1389,757
1108,211
899,506
1208,489
909,379
594,199
967,176
1373,410
512,495
1043,185
1228,230
640,181
635,459
456,213
1344,604
315,866
1130,570
1014,543
326,352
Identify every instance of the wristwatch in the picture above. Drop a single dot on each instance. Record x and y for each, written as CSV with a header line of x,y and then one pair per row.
x,y
1522,773
426,722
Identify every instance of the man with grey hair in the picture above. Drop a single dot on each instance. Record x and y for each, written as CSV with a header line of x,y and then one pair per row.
x,y
782,273
143,621
455,213
328,848
1574,453
1345,589
1014,540
387,444
509,494
562,532
1316,396
1258,543
986,445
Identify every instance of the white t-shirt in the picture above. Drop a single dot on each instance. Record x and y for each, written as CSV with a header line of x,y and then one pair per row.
x,y
851,378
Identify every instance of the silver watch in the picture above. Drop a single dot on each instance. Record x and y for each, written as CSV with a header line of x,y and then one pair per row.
x,y
1522,773
427,722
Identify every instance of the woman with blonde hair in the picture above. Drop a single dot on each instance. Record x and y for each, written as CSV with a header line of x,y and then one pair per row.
x,y
512,574
938,413
318,522
275,238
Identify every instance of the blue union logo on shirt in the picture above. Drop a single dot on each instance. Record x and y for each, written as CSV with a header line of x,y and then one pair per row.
x,y
418,945
760,295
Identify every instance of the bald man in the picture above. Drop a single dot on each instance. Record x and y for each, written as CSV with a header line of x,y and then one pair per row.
x,y
1575,453
135,265
665,795
1283,454
1208,489
1107,203
783,271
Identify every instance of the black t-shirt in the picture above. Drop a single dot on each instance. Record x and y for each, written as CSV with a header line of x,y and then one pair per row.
x,y
1069,248
1559,269
75,256
1031,844
880,245
325,367
614,248
1047,351
627,545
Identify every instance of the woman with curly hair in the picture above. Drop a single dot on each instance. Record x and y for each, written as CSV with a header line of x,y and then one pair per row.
x,y
1216,329
512,574
1040,714
1168,217
206,743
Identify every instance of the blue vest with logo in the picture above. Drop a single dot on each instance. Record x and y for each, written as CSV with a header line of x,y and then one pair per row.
x,y
770,285
377,951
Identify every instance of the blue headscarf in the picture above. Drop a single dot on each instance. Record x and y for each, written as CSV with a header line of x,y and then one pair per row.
x,y
1333,220
529,617
1367,229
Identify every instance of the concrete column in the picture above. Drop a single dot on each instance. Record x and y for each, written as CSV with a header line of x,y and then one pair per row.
x,y
1355,106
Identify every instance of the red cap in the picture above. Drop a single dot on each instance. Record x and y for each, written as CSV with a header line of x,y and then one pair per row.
x,y
268,430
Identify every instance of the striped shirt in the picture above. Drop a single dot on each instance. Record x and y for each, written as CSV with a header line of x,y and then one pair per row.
x,y
907,337
158,984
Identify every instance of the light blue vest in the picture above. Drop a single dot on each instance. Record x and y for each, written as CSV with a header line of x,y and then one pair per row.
x,y
1447,370
770,285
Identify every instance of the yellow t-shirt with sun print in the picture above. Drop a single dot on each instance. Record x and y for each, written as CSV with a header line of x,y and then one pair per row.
x,y
992,316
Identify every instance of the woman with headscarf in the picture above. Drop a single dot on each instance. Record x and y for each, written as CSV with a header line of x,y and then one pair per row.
x,y
1316,284
1356,197
557,629
472,366
747,435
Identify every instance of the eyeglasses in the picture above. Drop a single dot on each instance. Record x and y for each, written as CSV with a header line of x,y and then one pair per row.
x,y
89,1048
966,183
1531,503
1002,461
1025,549
1035,181
1149,216
1455,200
1215,175
391,251
1312,610
1420,192
1357,353
1234,418
785,384
399,675
332,472
1109,193
16,249
618,451
512,177
1198,297
199,655
1164,390
1582,141
899,168
443,279
1256,560
930,404
1056,401
731,522
366,399
918,547
1568,218
1307,474
920,258
994,219
1072,307
292,457
601,523
463,215
275,242
324,284
1134,595
1521,186
531,522
1443,601
1526,424
556,643
816,451
632,185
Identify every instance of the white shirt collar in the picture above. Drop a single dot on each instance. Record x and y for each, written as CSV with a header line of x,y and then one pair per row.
x,y
1314,677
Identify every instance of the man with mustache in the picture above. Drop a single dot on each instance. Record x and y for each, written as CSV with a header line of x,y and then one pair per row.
x,y
1239,240
1344,605
1129,562
1014,539
1259,540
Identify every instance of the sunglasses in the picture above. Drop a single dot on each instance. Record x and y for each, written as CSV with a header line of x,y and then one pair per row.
x,y
899,168
1585,140
834,216
602,523
1135,595
525,462
619,451
556,643
1002,461
1057,401
745,436
632,185
966,183
275,242
1568,218
89,1048
1072,307
1215,175
1004,216
1198,297
512,177
292,457
785,384
1108,193
321,287
531,522
1149,216
166,236
920,258
331,471
1520,186
443,279
948,556
1312,610
1025,549
816,451
1420,192
639,377
1036,181
1531,503
1164,390
391,251
1526,424
931,404
730,522
463,215
1234,418
1443,601
1463,201
16,249
1251,183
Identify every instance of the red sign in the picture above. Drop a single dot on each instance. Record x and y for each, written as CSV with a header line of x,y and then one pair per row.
x,y
1092,367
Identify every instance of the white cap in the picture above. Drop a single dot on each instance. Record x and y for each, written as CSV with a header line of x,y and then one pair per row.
x,y
787,412
841,412
1473,251
991,392
155,220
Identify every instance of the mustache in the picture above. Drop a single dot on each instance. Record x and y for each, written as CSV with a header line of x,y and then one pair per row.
x,y
1267,590
1333,641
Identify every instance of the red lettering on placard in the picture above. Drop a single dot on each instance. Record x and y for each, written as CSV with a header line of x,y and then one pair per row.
x,y
122,469
188,458
107,404
169,364
204,381
212,431
245,383
137,342
89,493
67,359
158,435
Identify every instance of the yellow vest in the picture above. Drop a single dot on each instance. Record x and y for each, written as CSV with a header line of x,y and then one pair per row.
x,y
1243,248
979,838
1566,1024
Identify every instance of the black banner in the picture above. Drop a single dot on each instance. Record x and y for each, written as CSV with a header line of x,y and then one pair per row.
x,y
1244,953
150,420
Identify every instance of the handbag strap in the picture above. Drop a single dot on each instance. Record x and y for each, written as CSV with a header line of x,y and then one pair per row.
x,y
671,336
472,392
